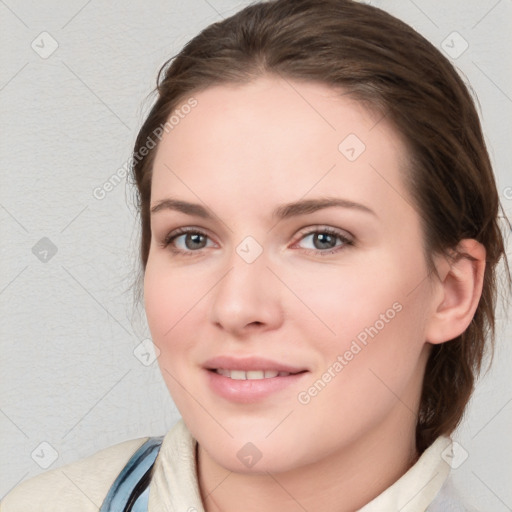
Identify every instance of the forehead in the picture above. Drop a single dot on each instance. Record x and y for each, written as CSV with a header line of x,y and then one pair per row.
x,y
275,140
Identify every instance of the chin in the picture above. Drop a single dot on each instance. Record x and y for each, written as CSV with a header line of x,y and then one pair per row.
x,y
248,454
269,461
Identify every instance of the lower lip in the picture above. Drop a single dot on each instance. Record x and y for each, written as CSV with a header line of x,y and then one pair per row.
x,y
249,390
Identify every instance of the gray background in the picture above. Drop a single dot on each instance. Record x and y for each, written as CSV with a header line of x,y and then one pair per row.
x,y
69,324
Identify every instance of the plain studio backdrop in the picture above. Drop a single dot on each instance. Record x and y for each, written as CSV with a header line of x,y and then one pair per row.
x,y
76,375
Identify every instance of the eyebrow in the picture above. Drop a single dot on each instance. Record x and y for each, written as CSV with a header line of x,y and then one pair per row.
x,y
282,212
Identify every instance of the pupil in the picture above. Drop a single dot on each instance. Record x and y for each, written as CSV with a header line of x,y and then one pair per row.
x,y
325,241
194,238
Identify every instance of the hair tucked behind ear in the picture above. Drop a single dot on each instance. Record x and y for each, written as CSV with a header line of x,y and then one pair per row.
x,y
361,50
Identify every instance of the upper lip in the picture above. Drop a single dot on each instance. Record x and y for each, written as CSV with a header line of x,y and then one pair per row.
x,y
249,363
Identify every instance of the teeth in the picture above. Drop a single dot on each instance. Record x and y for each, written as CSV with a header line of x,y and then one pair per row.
x,y
254,374
251,374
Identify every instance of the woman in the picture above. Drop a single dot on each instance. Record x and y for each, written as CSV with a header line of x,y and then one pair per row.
x,y
319,245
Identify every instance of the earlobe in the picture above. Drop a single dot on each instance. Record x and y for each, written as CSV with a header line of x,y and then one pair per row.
x,y
460,287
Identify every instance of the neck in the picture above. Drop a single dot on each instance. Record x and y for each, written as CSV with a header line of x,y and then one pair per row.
x,y
345,481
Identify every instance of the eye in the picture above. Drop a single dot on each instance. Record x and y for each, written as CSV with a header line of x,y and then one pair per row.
x,y
187,241
324,241
321,240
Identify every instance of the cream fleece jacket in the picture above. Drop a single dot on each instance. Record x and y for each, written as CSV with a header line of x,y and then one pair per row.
x,y
82,486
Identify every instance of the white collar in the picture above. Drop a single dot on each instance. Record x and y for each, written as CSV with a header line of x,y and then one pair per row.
x,y
174,485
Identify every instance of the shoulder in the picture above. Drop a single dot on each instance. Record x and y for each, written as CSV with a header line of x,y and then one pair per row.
x,y
81,485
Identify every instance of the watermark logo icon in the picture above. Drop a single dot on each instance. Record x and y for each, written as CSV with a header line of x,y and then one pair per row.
x,y
44,455
249,455
249,249
44,45
454,45
44,250
351,147
454,455
146,352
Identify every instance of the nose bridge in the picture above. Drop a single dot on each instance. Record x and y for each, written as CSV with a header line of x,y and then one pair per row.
x,y
248,293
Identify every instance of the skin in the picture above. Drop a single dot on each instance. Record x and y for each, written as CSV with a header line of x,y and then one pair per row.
x,y
242,152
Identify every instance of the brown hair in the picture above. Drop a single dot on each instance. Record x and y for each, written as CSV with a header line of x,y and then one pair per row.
x,y
381,61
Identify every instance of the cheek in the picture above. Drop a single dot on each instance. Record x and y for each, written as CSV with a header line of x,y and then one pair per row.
x,y
371,360
169,294
374,340
337,305
169,303
166,303
366,325
159,301
176,301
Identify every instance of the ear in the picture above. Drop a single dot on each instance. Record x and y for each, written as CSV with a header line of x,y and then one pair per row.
x,y
457,292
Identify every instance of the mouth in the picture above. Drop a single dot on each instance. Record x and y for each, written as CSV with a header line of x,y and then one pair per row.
x,y
253,374
251,367
250,379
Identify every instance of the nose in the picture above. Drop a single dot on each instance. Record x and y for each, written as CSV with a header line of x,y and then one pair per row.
x,y
247,299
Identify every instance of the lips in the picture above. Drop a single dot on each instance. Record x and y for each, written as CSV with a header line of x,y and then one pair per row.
x,y
248,380
250,368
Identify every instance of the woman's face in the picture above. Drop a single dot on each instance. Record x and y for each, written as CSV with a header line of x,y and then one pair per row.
x,y
283,240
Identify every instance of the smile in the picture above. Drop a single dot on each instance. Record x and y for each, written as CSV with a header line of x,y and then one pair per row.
x,y
251,374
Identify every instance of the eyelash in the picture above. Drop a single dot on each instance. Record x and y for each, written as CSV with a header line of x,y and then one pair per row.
x,y
169,239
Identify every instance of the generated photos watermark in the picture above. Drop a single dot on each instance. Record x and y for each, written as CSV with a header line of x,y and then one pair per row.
x,y
111,183
342,360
